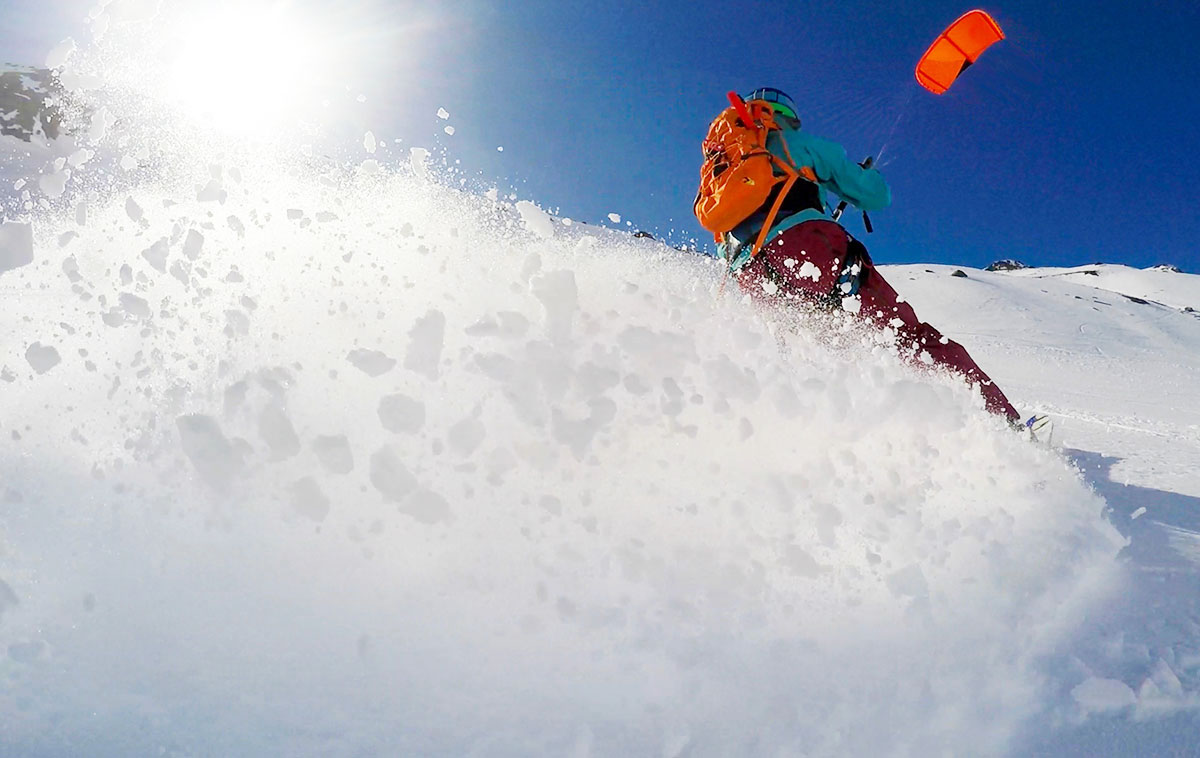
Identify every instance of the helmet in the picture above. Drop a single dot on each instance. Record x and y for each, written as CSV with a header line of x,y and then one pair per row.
x,y
778,100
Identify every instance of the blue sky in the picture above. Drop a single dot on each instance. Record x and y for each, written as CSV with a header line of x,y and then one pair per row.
x,y
1071,142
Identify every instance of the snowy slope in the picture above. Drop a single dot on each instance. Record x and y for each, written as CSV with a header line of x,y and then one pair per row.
x,y
1082,349
1113,356
306,459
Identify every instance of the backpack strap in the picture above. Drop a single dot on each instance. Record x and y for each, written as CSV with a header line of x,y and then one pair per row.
x,y
790,173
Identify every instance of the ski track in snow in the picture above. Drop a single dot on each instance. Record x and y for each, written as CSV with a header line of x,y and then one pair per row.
x,y
306,460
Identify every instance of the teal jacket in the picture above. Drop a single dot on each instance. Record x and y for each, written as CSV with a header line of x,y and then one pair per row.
x,y
863,188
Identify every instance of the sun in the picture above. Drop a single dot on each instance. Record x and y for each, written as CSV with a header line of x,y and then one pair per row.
x,y
243,69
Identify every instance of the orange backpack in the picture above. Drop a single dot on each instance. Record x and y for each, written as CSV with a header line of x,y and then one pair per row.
x,y
739,172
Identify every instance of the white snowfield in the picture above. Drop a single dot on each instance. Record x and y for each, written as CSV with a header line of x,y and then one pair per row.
x,y
299,460
363,465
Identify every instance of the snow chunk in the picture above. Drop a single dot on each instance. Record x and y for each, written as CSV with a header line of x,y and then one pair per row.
x,y
42,357
390,476
577,434
400,413
135,307
212,192
466,436
449,130
133,210
1162,688
369,143
80,157
1096,695
277,431
308,500
425,342
212,455
428,507
614,217
102,121
536,220
192,244
156,255
334,453
16,245
559,295
61,53
371,362
419,159
801,562
54,185
443,114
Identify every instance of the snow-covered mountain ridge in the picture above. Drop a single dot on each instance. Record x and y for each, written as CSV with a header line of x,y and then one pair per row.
x,y
1158,284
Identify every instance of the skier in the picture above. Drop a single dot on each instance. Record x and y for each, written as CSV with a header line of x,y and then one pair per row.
x,y
763,195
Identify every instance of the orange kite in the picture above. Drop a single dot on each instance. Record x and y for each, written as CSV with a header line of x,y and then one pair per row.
x,y
956,49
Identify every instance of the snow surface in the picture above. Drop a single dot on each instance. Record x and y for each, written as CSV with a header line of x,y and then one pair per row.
x,y
302,459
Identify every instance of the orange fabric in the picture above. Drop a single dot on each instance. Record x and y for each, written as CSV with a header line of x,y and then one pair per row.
x,y
739,172
737,175
955,49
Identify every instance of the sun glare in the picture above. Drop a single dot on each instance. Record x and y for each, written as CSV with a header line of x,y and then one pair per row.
x,y
245,70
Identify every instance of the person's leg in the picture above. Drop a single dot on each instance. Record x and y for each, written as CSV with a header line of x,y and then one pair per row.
x,y
802,263
881,305
805,262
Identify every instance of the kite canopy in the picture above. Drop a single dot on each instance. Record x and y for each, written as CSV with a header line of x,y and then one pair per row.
x,y
956,49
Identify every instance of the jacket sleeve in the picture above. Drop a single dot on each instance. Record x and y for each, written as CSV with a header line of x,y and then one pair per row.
x,y
864,188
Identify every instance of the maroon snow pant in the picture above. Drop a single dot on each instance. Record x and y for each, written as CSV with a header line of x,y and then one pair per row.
x,y
780,270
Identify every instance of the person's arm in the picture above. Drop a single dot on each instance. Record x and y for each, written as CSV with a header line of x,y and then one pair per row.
x,y
863,188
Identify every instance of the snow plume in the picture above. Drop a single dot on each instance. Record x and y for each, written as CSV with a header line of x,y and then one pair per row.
x,y
346,462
